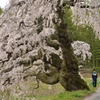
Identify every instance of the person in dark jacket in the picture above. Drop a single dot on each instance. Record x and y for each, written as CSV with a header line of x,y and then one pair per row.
x,y
94,78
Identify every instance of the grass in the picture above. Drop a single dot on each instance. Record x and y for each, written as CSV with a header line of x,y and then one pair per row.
x,y
48,92
74,95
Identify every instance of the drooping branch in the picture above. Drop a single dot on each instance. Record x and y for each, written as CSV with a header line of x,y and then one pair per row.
x,y
90,7
85,4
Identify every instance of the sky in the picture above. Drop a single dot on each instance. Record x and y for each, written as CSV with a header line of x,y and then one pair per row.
x,y
3,3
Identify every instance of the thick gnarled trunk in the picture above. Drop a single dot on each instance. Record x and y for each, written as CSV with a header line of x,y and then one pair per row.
x,y
69,77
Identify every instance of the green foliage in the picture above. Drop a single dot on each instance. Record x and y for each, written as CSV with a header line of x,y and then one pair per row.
x,y
99,11
95,45
97,69
0,10
81,33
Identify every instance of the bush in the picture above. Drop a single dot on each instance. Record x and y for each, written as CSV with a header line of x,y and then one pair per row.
x,y
97,69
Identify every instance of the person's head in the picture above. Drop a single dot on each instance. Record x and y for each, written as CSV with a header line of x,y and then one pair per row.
x,y
94,70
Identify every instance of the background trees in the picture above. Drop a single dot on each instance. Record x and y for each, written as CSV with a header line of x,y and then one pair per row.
x,y
84,32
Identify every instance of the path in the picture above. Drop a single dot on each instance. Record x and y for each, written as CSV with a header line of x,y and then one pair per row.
x,y
94,96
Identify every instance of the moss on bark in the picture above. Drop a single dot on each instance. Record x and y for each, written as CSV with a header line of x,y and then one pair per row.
x,y
52,43
56,61
50,77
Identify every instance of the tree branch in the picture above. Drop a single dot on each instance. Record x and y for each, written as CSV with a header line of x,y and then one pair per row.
x,y
91,7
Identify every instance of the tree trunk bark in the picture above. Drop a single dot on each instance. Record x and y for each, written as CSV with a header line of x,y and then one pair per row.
x,y
69,77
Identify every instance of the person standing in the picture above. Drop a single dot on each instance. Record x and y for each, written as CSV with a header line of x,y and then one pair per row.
x,y
94,78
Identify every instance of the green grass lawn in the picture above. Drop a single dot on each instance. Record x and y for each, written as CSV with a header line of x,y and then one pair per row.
x,y
48,92
74,95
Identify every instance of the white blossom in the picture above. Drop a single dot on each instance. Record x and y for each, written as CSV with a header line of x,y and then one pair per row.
x,y
81,50
88,15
